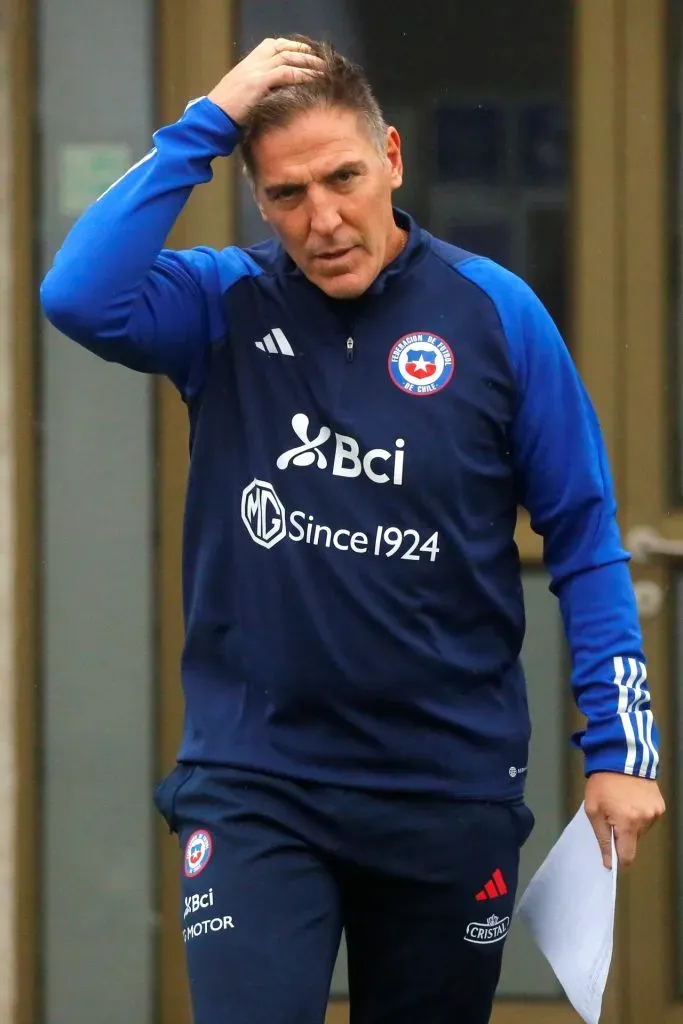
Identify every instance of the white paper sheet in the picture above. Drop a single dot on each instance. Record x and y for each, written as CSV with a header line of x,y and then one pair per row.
x,y
569,908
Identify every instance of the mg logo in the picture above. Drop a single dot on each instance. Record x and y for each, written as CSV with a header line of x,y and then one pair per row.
x,y
263,513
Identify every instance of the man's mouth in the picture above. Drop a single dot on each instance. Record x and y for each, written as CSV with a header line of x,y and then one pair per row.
x,y
335,254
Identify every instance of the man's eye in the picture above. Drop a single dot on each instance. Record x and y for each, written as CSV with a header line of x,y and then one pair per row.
x,y
344,176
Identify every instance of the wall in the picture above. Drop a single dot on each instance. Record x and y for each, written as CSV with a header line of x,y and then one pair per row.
x,y
7,680
95,89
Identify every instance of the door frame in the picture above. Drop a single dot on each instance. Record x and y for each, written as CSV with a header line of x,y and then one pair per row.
x,y
648,453
195,40
194,50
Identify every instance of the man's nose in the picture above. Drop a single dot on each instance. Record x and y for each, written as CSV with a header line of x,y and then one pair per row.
x,y
324,213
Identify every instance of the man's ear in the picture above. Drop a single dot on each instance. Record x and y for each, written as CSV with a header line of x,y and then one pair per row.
x,y
258,204
254,195
394,157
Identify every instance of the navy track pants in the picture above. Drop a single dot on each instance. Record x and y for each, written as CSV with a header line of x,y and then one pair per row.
x,y
273,869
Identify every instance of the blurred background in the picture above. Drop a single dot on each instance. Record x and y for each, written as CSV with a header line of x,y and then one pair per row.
x,y
543,133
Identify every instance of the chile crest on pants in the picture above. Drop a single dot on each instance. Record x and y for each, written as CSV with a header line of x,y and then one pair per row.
x,y
198,849
421,363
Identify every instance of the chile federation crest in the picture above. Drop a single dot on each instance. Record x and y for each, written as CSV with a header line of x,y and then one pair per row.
x,y
421,363
198,850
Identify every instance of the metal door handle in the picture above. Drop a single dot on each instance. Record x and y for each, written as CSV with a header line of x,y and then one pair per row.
x,y
645,541
649,598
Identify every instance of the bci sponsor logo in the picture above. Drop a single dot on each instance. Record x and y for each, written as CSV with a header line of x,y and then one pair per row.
x,y
378,464
198,901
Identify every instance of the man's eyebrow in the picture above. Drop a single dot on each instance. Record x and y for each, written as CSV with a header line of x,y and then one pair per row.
x,y
348,165
291,187
295,187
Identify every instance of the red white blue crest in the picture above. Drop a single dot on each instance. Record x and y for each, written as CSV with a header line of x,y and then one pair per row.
x,y
198,850
421,363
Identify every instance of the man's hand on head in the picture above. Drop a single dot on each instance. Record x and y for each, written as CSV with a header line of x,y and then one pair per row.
x,y
626,803
272,64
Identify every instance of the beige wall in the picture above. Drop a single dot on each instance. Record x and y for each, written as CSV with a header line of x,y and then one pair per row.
x,y
7,966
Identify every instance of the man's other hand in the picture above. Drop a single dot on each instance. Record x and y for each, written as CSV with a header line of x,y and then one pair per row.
x,y
625,803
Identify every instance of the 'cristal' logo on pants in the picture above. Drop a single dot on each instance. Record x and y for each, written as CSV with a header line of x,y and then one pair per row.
x,y
482,933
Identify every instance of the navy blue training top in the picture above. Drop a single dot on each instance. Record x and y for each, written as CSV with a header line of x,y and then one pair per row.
x,y
352,593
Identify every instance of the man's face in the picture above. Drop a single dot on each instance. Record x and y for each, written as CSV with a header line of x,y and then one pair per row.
x,y
325,189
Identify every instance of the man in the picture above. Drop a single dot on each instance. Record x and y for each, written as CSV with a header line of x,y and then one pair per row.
x,y
368,407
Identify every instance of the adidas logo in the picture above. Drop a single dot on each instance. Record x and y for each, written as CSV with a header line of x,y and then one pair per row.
x,y
494,888
276,343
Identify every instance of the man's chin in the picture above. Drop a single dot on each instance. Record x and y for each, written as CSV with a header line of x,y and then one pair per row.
x,y
342,286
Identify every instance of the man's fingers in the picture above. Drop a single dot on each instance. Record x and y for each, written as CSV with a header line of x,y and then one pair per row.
x,y
270,46
626,842
289,44
288,75
297,59
290,68
273,64
628,804
603,833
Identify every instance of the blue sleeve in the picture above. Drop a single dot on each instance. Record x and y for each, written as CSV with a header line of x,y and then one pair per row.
x,y
564,482
115,290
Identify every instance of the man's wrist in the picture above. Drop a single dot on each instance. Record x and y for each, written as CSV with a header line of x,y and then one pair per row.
x,y
205,116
